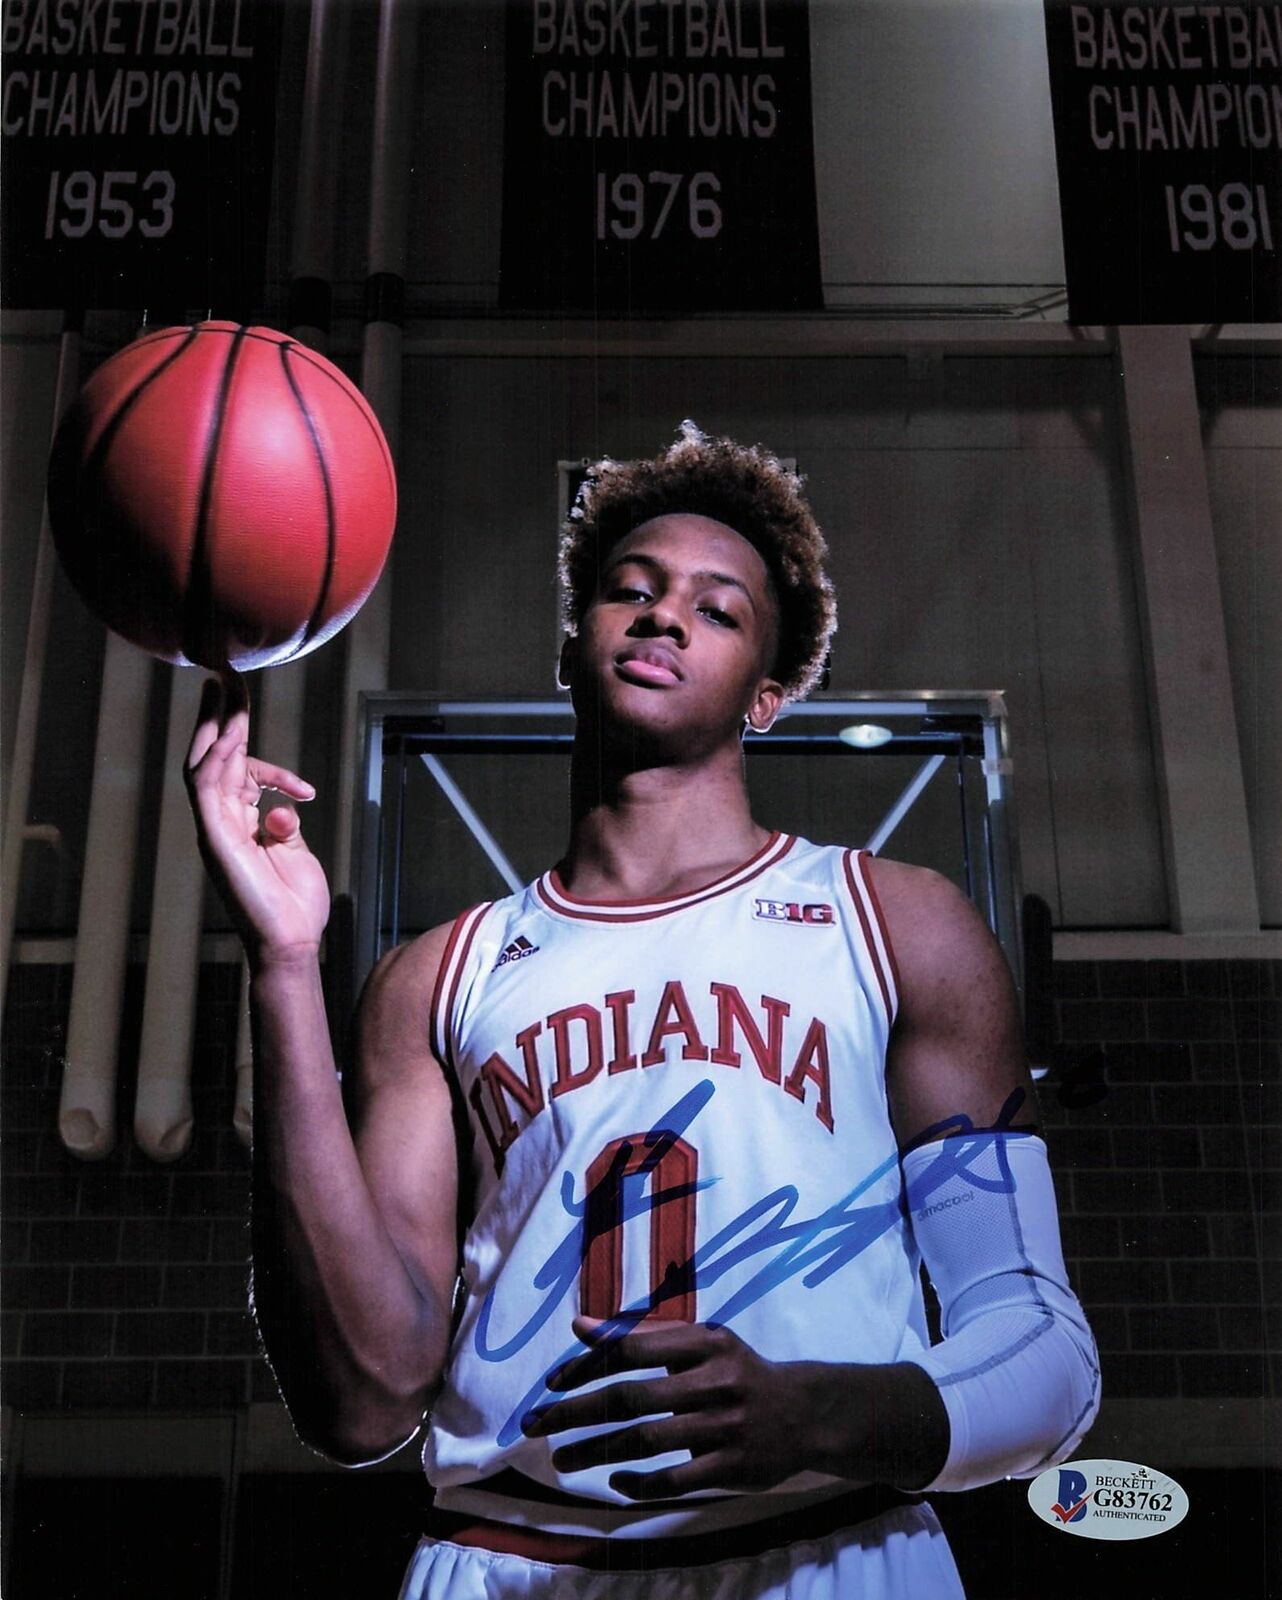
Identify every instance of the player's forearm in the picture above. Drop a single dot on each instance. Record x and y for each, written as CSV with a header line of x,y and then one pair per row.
x,y
873,1424
356,1343
1017,1368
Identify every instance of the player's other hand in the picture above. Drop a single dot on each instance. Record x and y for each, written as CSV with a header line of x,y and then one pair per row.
x,y
743,1419
273,886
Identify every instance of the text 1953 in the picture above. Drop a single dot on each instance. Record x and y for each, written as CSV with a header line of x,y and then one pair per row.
x,y
114,203
1232,215
629,205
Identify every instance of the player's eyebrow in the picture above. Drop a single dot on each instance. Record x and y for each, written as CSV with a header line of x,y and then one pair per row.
x,y
641,559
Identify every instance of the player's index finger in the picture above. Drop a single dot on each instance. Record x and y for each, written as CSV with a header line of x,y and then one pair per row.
x,y
211,694
207,718
626,1352
637,1397
235,692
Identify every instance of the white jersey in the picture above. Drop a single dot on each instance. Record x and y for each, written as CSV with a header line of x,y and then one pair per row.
x,y
678,1110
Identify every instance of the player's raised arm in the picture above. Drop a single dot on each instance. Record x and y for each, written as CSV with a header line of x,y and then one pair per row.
x,y
273,886
353,1251
1016,1372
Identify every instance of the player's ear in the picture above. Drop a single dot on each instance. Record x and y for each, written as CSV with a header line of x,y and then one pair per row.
x,y
567,661
766,705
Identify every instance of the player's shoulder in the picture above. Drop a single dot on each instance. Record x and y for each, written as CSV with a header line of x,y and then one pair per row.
x,y
916,895
396,1004
938,936
409,968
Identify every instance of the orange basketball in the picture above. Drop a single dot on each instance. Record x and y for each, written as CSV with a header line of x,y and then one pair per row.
x,y
222,496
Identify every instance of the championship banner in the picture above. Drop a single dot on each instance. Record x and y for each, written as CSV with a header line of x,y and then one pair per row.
x,y
1168,136
137,139
658,156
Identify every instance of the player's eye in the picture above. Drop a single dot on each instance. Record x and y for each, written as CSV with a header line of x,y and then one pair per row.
x,y
723,619
628,591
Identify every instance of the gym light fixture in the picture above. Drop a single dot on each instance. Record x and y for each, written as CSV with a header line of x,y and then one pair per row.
x,y
865,735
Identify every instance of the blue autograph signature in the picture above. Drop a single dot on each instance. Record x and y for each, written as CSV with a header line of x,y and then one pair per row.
x,y
815,1247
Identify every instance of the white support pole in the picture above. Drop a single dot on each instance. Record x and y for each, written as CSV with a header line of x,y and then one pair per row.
x,y
320,132
471,820
162,1107
279,723
279,719
87,1107
1206,837
368,637
929,767
22,757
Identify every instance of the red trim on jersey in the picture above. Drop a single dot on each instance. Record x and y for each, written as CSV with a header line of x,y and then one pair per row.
x,y
434,1011
865,926
554,895
881,919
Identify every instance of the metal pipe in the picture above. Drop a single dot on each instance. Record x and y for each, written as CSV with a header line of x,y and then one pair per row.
x,y
904,804
23,756
312,233
472,822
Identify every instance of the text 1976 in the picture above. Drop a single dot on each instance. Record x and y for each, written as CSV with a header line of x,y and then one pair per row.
x,y
629,205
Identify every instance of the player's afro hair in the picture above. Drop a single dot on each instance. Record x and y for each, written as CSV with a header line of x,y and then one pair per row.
x,y
744,486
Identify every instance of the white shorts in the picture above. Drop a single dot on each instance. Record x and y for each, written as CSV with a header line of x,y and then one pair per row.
x,y
900,1555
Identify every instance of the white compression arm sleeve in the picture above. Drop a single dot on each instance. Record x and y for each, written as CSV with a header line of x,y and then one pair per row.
x,y
1017,1368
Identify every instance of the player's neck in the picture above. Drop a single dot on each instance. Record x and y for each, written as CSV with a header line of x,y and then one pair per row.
x,y
657,831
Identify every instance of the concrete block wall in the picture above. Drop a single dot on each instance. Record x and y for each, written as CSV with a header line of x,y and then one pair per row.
x,y
1164,1120
125,1283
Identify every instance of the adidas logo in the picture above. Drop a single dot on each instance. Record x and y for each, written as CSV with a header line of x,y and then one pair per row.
x,y
516,951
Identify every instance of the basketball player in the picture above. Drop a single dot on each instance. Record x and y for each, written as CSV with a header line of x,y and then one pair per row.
x,y
646,1157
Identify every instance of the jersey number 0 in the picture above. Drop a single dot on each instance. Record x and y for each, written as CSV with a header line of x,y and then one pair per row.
x,y
672,1174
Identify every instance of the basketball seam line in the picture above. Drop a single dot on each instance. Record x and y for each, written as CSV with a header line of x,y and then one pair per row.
x,y
331,528
367,410
314,360
98,455
199,575
95,461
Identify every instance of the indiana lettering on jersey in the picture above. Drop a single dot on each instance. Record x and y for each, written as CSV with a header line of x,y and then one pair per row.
x,y
571,1048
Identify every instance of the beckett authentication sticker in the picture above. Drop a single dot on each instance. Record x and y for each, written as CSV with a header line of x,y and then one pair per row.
x,y
1108,1499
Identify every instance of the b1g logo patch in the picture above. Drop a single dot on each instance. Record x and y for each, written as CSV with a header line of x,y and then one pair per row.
x,y
812,916
1108,1499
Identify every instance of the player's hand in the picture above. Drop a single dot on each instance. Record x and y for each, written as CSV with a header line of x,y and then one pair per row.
x,y
743,1418
273,886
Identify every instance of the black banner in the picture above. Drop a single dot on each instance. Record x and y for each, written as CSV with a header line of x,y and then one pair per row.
x,y
137,138
658,156
1168,134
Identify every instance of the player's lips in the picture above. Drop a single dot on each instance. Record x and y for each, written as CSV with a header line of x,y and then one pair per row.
x,y
649,664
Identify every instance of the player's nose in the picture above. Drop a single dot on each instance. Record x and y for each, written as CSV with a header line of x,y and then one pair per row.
x,y
666,616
